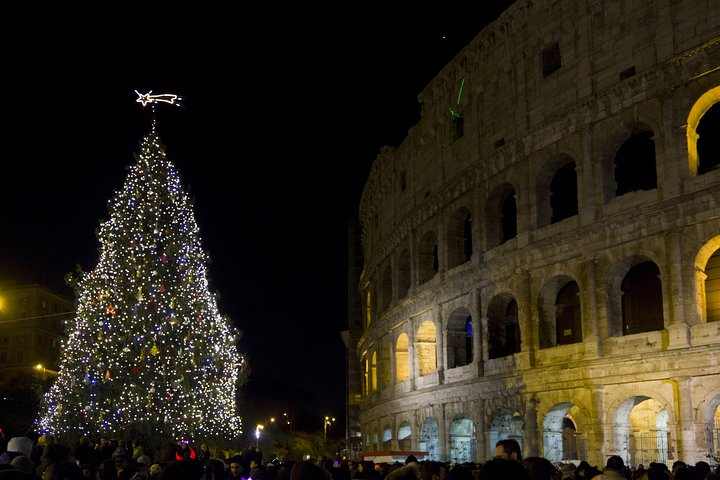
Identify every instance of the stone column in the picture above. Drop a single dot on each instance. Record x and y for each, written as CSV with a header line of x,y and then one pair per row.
x,y
476,313
440,339
590,314
412,361
672,289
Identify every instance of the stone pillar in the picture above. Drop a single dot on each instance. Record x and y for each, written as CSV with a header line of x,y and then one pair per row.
x,y
440,339
590,314
480,434
530,436
476,313
672,289
686,434
412,361
443,433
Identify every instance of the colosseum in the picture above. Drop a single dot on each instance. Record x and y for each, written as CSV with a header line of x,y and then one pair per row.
x,y
541,253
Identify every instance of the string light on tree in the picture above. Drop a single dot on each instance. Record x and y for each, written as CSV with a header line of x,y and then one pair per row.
x,y
147,349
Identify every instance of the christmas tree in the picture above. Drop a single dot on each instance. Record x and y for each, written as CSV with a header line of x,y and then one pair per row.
x,y
147,350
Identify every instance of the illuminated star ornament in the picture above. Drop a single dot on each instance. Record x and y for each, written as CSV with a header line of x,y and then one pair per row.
x,y
170,98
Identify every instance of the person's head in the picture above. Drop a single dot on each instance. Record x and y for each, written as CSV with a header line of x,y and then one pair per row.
x,y
307,470
410,459
236,467
459,472
616,463
539,468
508,449
431,470
214,469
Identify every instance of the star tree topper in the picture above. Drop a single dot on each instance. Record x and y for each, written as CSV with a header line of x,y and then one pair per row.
x,y
145,98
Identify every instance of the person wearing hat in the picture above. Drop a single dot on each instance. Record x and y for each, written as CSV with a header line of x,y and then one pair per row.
x,y
17,446
23,463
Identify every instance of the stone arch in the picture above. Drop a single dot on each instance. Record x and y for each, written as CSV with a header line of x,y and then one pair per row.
x,y
425,348
501,215
403,274
629,163
711,419
557,192
462,440
560,312
375,440
563,440
503,326
459,338
706,104
428,260
404,436
386,289
640,430
707,280
635,300
402,358
459,239
506,424
428,441
386,438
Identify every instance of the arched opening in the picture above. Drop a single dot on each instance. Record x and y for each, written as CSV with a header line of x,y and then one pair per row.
x,y
385,365
401,358
459,237
403,274
404,437
462,441
426,349
428,441
376,441
642,308
563,193
373,372
386,439
568,318
459,339
501,216
428,262
713,433
560,313
563,442
708,142
635,164
712,287
506,425
641,431
503,327
366,376
386,289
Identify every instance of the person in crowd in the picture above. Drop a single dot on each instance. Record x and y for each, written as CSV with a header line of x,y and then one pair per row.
x,y
83,451
614,469
203,454
155,471
137,449
237,468
539,468
431,470
585,471
214,469
410,471
64,470
185,451
460,472
17,446
508,449
307,470
504,469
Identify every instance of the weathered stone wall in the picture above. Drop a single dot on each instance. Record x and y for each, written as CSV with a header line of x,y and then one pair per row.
x,y
625,67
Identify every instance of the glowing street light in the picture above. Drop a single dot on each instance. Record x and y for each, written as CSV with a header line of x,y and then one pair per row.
x,y
328,421
257,434
45,371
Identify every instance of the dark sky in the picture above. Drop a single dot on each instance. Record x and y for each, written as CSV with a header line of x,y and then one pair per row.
x,y
287,104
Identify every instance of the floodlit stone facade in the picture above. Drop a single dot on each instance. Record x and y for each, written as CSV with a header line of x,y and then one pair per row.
x,y
542,251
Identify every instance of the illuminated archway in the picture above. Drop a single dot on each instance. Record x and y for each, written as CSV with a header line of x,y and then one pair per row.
x,y
707,280
404,436
425,348
641,431
429,439
462,441
562,440
401,358
698,110
506,424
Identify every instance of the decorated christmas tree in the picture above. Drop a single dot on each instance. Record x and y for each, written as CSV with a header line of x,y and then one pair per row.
x,y
147,350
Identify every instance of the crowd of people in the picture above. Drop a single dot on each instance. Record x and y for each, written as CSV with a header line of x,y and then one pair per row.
x,y
108,459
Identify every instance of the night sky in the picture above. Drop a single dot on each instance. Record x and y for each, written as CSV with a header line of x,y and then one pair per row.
x,y
287,104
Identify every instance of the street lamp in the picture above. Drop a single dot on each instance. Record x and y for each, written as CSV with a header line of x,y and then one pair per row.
x,y
41,368
257,434
328,421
